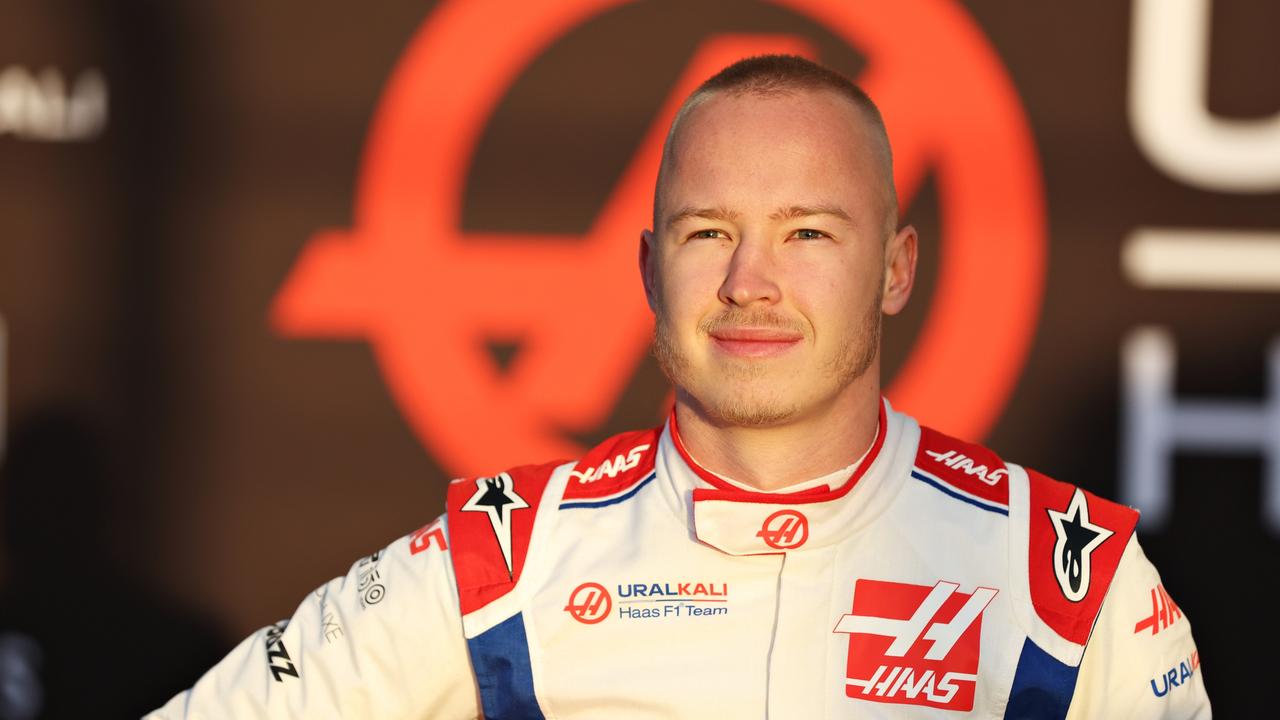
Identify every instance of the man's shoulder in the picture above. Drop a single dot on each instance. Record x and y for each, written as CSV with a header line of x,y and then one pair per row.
x,y
612,471
613,467
963,470
980,472
1068,541
1075,542
495,520
491,522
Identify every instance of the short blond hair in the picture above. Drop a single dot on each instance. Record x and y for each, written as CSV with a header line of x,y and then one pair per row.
x,y
780,74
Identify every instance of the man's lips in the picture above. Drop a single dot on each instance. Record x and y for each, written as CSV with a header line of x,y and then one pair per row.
x,y
755,342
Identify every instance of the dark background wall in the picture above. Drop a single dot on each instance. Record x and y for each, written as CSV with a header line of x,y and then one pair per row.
x,y
207,415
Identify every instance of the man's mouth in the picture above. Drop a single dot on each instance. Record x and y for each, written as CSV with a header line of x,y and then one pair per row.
x,y
751,342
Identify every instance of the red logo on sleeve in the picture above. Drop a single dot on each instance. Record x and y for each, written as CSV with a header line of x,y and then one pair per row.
x,y
914,644
1164,612
423,537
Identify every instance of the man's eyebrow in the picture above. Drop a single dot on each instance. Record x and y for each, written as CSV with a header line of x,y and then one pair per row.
x,y
712,213
799,211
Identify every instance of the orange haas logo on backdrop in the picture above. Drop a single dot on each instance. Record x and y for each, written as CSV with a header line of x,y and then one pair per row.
x,y
427,296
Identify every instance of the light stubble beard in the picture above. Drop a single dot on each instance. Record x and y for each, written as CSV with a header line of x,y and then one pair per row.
x,y
852,362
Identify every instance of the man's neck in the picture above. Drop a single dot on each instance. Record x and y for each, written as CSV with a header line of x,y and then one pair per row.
x,y
775,457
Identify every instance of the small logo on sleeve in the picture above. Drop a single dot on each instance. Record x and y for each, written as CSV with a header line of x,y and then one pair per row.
x,y
1164,612
1176,676
1077,539
914,644
425,536
369,579
784,530
278,660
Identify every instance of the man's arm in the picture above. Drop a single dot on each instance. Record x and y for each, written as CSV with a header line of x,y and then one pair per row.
x,y
384,641
1141,661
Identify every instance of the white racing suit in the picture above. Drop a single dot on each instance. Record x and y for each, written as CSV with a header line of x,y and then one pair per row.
x,y
931,579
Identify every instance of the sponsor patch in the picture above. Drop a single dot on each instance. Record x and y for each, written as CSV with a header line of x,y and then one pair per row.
x,y
914,644
330,628
1077,538
496,496
278,660
1074,545
1176,676
589,603
369,580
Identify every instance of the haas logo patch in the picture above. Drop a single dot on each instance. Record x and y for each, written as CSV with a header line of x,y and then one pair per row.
x,y
914,644
784,530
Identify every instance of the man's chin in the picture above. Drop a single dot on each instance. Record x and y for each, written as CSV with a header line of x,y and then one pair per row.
x,y
746,410
756,417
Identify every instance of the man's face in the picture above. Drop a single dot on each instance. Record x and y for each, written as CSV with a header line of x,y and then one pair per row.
x,y
767,267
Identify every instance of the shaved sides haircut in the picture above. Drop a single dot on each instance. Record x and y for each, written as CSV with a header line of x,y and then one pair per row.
x,y
780,75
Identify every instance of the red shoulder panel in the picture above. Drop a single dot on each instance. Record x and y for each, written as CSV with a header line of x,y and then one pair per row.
x,y
490,523
969,467
614,465
1076,540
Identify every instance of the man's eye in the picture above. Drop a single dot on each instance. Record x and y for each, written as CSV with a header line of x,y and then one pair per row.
x,y
808,234
706,235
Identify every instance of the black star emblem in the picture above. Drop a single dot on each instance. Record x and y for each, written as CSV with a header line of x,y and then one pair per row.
x,y
494,496
1077,539
497,497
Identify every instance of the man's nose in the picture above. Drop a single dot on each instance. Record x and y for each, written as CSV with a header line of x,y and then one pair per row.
x,y
751,276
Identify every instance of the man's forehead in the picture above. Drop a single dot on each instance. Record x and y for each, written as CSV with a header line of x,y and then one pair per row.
x,y
809,140
783,212
811,126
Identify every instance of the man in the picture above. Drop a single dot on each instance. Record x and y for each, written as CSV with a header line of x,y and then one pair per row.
x,y
786,545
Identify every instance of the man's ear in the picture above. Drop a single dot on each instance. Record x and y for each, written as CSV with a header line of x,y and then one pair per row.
x,y
647,259
899,270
